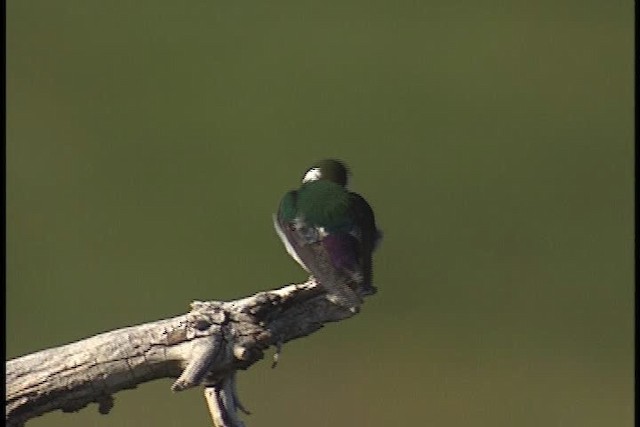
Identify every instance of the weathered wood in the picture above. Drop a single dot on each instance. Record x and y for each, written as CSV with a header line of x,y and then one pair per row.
x,y
203,347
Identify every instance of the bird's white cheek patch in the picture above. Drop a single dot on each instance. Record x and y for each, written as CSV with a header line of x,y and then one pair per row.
x,y
312,174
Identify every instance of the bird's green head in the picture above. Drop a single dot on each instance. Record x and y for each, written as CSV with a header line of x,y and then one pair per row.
x,y
328,169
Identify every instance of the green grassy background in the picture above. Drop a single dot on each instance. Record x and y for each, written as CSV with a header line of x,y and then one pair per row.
x,y
148,144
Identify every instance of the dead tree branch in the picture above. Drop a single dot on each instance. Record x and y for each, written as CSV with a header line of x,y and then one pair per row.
x,y
203,347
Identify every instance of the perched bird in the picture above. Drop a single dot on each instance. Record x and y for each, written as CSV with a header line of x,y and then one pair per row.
x,y
331,232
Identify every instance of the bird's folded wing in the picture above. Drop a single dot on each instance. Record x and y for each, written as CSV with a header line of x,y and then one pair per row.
x,y
307,244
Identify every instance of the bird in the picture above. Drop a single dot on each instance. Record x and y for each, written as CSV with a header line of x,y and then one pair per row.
x,y
330,232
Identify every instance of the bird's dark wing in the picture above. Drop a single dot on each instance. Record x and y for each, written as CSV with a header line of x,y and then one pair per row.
x,y
368,235
307,245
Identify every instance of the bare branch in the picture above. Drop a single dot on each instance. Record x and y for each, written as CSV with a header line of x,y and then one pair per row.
x,y
203,347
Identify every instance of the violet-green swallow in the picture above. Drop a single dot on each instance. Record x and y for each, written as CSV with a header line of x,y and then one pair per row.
x,y
331,232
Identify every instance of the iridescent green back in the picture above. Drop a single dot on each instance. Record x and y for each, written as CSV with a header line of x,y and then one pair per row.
x,y
325,204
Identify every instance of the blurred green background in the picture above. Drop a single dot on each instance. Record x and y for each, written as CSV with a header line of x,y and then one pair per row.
x,y
148,144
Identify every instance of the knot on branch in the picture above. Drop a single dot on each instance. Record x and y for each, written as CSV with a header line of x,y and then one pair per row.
x,y
203,314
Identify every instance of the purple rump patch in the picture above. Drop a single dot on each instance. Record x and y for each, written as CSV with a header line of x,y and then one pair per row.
x,y
343,250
